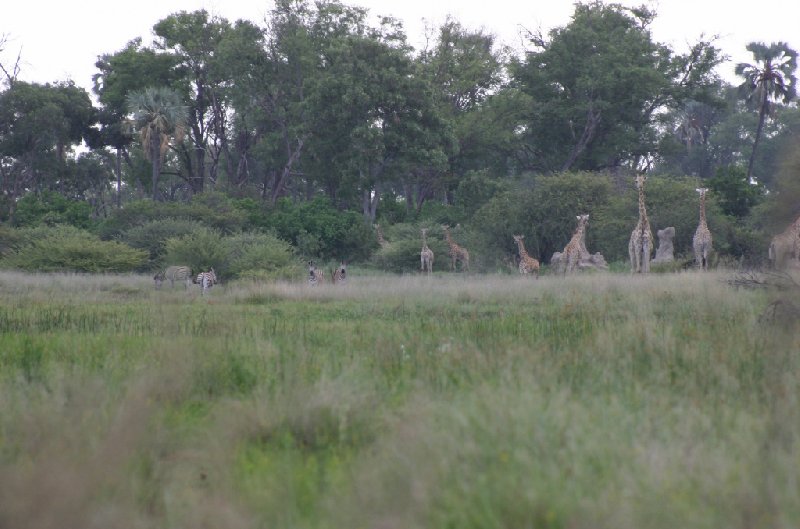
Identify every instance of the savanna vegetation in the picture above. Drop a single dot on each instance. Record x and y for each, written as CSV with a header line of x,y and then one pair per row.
x,y
598,401
471,400
322,120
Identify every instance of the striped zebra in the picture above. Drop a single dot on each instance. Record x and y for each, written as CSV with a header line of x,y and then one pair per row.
x,y
339,276
172,274
206,280
315,275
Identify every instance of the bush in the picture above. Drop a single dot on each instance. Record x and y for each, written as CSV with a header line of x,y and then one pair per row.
x,y
261,256
200,250
209,209
152,236
50,208
70,249
322,232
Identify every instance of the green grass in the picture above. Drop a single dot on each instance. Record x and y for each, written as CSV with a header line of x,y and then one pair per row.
x,y
605,400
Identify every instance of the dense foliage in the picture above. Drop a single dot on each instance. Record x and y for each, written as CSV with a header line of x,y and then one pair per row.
x,y
322,121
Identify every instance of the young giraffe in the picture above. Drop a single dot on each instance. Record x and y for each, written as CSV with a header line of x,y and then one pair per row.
x,y
379,234
641,243
457,253
701,243
575,248
426,254
527,264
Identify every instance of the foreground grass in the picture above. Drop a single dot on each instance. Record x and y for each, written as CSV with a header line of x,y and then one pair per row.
x,y
481,401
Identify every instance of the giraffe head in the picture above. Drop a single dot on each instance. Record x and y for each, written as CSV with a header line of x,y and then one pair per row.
x,y
583,220
518,238
702,191
424,232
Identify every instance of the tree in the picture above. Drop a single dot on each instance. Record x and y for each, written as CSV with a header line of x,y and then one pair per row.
x,y
600,85
158,116
770,78
133,68
39,124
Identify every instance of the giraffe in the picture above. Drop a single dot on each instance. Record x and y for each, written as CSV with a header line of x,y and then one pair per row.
x,y
379,234
457,253
702,243
641,243
426,254
527,264
785,246
575,249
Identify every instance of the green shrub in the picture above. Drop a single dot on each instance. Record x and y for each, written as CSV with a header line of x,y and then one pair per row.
x,y
70,249
318,225
260,256
210,209
50,208
152,236
201,250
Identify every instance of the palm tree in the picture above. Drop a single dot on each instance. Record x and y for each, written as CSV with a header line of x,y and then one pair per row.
x,y
158,116
770,78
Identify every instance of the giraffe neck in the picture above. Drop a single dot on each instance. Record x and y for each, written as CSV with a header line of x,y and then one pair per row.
x,y
521,246
703,209
642,208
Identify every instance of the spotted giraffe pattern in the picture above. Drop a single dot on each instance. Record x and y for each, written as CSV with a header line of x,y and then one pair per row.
x,y
702,242
576,247
785,246
457,253
527,264
641,244
426,254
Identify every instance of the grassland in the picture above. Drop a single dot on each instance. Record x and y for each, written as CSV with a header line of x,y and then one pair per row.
x,y
604,401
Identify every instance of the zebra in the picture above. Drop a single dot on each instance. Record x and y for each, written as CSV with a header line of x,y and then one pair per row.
x,y
206,280
172,274
339,276
315,275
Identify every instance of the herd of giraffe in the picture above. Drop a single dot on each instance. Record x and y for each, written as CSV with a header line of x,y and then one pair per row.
x,y
784,247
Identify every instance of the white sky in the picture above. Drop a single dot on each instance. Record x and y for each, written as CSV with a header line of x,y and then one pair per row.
x,y
59,40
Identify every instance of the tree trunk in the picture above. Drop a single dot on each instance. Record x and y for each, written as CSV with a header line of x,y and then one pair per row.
x,y
118,171
761,115
592,119
155,156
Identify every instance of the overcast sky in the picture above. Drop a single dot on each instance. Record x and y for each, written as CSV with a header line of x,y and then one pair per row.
x,y
59,42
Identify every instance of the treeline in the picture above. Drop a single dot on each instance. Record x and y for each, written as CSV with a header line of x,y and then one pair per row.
x,y
324,120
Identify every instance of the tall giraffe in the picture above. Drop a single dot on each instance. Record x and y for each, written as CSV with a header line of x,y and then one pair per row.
x,y
575,249
379,234
641,243
701,243
457,253
527,264
426,254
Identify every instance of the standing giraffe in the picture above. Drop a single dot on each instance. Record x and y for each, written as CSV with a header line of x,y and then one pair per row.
x,y
575,249
457,253
641,243
702,237
527,264
379,234
426,254
785,246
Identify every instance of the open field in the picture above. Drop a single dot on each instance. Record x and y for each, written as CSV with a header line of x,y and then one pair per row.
x,y
604,401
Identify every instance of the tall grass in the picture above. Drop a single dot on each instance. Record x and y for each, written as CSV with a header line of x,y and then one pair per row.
x,y
451,401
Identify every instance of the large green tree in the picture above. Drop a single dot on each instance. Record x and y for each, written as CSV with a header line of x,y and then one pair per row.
x,y
600,85
39,125
769,78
